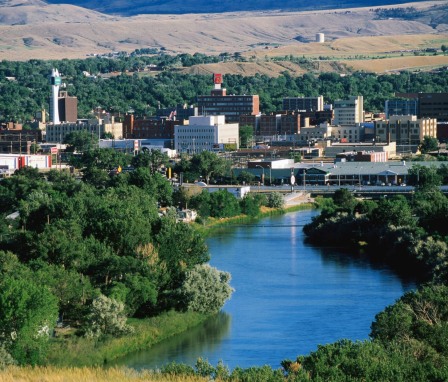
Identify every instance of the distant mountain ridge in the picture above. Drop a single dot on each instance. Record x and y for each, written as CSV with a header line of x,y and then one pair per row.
x,y
130,8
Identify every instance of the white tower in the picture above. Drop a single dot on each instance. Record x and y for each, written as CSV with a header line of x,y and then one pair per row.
x,y
54,101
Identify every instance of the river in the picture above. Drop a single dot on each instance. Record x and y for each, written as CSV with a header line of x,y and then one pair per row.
x,y
289,298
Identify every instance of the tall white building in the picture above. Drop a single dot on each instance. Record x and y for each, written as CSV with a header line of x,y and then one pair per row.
x,y
54,100
349,112
205,133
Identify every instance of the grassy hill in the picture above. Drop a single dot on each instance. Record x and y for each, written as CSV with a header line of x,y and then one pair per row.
x,y
33,29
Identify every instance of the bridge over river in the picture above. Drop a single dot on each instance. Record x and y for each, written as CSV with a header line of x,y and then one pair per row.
x,y
361,191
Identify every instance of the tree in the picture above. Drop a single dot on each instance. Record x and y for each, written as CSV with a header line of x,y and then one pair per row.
x,y
394,211
179,249
344,200
246,133
250,205
81,141
246,177
152,159
153,183
424,178
207,164
428,144
205,289
420,315
28,313
223,204
107,317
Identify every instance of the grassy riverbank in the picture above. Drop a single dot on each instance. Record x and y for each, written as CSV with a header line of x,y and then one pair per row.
x,y
212,224
70,350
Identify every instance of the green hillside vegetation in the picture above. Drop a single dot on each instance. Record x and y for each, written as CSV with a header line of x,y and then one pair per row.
x,y
26,90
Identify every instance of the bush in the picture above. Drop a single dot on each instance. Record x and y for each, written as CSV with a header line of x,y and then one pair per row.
x,y
107,317
275,200
5,358
205,289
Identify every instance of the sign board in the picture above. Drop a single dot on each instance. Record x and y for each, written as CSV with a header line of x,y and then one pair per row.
x,y
293,180
217,78
56,80
54,150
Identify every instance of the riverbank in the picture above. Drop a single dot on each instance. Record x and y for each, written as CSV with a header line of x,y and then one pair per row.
x,y
292,202
71,351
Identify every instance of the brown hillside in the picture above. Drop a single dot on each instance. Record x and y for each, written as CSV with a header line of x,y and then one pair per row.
x,y
44,31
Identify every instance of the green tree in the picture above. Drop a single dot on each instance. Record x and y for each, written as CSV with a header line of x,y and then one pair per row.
x,y
246,134
153,183
344,200
202,203
431,208
153,159
246,177
28,314
424,178
428,144
81,141
421,315
205,289
250,205
207,163
223,204
179,249
394,211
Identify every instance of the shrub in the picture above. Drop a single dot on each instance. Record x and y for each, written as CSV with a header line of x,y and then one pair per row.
x,y
107,317
275,200
5,358
205,289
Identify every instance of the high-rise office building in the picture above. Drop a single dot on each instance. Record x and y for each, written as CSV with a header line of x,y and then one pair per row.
x,y
303,103
68,108
231,106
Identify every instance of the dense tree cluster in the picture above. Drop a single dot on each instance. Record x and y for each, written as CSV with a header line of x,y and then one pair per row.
x,y
92,252
25,85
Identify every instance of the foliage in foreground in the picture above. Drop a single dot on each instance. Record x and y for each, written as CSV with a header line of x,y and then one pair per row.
x,y
89,254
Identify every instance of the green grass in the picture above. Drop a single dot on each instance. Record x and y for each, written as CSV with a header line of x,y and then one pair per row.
x,y
80,351
212,225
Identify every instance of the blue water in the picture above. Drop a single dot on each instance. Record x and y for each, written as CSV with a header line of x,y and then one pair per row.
x,y
289,298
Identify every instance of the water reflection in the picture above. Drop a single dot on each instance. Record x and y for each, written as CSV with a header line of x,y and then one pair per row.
x,y
184,348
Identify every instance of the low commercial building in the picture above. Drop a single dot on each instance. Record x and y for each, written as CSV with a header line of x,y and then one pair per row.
x,y
206,133
348,133
405,130
96,127
363,156
337,148
11,162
